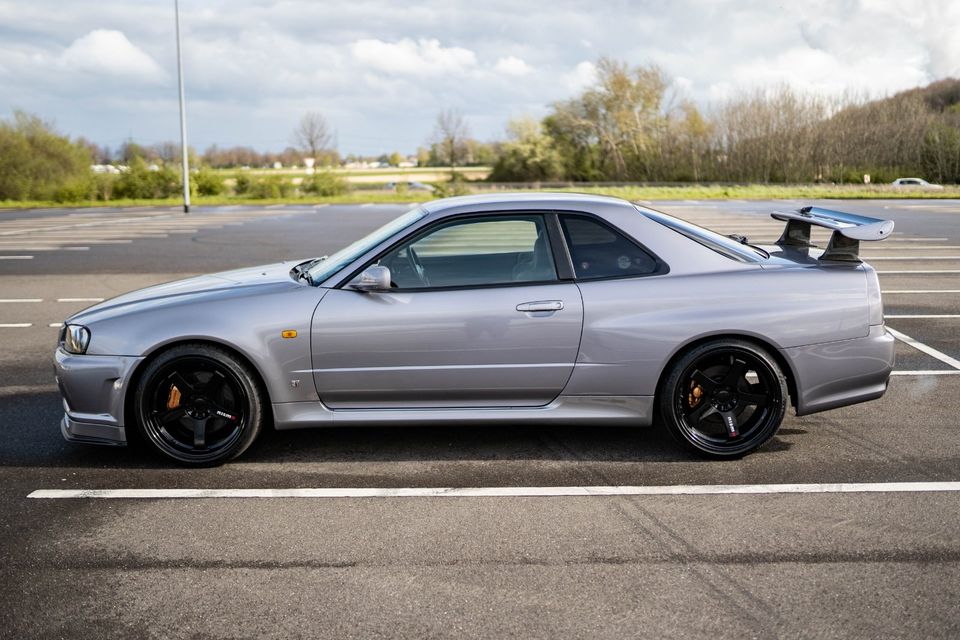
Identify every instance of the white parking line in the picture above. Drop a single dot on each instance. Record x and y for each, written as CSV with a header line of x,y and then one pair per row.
x,y
919,346
910,257
918,271
931,372
915,316
15,325
79,299
16,257
502,492
14,300
55,324
921,291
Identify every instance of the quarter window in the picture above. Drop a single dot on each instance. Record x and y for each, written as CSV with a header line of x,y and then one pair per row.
x,y
474,252
598,251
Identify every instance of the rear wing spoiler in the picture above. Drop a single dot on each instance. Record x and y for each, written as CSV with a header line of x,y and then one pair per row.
x,y
848,230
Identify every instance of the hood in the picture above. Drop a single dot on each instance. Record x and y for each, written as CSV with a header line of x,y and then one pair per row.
x,y
225,281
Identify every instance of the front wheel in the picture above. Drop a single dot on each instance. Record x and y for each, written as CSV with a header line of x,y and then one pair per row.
x,y
198,405
724,399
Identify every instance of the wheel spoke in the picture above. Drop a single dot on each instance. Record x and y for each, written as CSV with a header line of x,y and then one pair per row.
x,y
758,399
704,381
199,433
176,413
737,370
224,413
705,409
730,422
181,382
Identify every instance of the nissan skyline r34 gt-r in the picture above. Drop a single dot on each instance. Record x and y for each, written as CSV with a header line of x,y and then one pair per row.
x,y
508,309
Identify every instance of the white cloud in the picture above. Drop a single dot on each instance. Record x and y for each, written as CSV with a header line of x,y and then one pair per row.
x,y
513,66
381,70
109,52
420,57
582,76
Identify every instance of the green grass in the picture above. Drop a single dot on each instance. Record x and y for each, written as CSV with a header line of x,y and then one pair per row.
x,y
635,192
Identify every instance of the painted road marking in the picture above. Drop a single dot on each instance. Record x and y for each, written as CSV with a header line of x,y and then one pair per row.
x,y
919,346
16,257
79,299
920,271
915,316
15,325
21,299
931,372
55,324
502,492
910,257
921,291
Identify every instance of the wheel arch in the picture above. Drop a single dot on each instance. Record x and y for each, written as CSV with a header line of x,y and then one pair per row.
x,y
782,361
157,350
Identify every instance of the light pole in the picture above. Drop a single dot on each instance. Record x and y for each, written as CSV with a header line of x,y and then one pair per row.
x,y
183,116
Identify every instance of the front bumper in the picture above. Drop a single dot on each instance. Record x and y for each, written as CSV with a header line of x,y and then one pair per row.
x,y
837,374
94,390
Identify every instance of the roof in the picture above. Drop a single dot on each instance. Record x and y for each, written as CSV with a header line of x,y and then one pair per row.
x,y
523,200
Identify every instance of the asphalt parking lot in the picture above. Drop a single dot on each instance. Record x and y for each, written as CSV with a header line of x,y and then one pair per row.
x,y
822,564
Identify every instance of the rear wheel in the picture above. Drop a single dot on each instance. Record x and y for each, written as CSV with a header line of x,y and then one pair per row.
x,y
199,405
724,398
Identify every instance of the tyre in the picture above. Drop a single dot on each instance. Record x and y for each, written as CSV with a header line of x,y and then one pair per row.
x,y
724,399
199,405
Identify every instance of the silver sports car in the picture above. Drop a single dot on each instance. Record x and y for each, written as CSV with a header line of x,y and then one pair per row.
x,y
550,308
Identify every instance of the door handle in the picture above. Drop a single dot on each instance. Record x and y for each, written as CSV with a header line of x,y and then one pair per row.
x,y
540,305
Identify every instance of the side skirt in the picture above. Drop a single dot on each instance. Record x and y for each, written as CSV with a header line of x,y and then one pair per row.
x,y
632,411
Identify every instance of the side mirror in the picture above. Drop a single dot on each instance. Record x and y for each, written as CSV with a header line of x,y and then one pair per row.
x,y
373,278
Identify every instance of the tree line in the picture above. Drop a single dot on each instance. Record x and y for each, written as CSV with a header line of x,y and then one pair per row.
x,y
630,125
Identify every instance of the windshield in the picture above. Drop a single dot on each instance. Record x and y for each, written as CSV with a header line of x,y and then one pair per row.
x,y
711,239
326,268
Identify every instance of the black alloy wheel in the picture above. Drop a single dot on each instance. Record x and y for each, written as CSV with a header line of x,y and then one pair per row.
x,y
725,398
198,405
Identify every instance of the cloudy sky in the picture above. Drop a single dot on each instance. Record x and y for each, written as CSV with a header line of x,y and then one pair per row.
x,y
380,70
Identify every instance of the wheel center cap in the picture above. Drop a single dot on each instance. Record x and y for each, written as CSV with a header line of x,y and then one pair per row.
x,y
725,399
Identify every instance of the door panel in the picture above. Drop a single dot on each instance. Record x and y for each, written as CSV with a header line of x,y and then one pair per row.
x,y
448,348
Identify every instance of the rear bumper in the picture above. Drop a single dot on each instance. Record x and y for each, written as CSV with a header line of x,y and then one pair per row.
x,y
837,374
93,389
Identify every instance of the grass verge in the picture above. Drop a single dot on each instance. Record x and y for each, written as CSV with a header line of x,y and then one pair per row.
x,y
633,192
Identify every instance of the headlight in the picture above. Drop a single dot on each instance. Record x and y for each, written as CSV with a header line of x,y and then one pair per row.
x,y
76,339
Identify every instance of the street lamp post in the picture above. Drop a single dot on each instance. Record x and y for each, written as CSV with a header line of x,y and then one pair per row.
x,y
183,116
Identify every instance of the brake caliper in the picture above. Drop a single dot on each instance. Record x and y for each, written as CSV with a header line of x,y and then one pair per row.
x,y
695,395
173,398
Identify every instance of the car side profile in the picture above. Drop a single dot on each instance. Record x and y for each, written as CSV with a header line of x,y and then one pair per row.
x,y
533,308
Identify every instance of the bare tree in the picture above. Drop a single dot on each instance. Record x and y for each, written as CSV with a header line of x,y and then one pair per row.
x,y
313,135
450,136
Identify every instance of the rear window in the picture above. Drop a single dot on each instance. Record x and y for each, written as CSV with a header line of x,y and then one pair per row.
x,y
723,245
598,251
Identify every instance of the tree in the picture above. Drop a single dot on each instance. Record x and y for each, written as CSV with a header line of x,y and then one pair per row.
x,y
313,136
450,137
624,113
529,155
37,163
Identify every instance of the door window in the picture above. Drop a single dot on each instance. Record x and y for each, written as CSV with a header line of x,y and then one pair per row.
x,y
474,252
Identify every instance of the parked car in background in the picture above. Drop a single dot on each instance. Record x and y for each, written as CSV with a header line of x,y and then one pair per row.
x,y
915,183
409,185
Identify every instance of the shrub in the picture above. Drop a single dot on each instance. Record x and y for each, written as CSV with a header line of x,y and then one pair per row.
x,y
139,182
36,163
242,184
270,187
207,183
325,183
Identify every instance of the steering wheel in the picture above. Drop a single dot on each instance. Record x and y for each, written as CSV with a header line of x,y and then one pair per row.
x,y
417,267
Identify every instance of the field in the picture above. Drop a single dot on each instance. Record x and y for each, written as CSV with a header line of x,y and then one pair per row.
x,y
367,186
